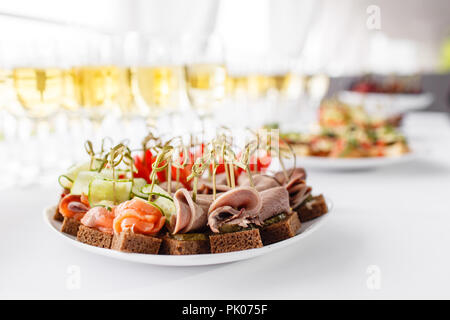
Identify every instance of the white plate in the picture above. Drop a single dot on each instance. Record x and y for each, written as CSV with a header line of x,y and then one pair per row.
x,y
350,164
393,103
191,260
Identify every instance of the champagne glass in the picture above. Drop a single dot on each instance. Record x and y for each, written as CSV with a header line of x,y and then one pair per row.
x,y
93,80
126,46
5,165
159,77
206,74
36,80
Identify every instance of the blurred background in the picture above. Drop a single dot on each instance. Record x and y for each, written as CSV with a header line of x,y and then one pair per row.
x,y
84,69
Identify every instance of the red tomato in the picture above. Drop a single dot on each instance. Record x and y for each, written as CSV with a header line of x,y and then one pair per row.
x,y
366,145
338,148
220,168
258,163
184,172
144,166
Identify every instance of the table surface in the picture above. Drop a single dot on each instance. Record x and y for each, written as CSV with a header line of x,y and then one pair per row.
x,y
387,237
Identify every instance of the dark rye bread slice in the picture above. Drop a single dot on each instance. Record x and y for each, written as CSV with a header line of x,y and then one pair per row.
x,y
235,241
58,216
70,226
129,241
281,230
94,237
184,247
312,209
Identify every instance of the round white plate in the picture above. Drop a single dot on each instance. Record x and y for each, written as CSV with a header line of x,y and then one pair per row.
x,y
393,103
351,164
190,260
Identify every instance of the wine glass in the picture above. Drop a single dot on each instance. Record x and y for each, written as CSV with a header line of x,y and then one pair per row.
x,y
206,74
126,46
159,77
7,169
93,80
36,82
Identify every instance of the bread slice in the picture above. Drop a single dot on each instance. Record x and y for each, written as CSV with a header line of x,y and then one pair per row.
x,y
184,247
94,237
58,216
235,241
70,226
282,230
312,209
129,241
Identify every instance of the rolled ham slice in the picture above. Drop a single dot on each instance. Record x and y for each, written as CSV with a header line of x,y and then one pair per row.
x,y
239,206
262,182
298,191
205,200
296,186
274,202
190,216
174,187
292,174
221,178
206,187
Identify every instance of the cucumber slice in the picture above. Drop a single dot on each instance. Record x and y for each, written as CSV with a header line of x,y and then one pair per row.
x,y
81,183
84,178
138,184
108,173
167,207
163,201
157,191
73,171
105,203
108,190
65,181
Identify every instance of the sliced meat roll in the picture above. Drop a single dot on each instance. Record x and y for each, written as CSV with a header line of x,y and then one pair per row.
x,y
298,191
274,202
189,216
174,186
262,182
206,187
239,206
292,174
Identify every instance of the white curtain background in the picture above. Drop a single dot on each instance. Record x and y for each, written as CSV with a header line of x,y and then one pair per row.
x,y
174,17
332,36
320,35
289,22
109,15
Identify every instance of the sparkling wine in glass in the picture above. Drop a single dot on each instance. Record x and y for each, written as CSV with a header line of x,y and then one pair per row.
x,y
206,74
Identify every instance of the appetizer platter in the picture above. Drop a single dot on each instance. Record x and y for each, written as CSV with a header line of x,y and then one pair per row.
x,y
348,137
393,103
170,203
396,94
391,85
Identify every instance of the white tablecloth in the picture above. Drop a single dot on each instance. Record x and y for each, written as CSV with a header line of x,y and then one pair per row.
x,y
388,237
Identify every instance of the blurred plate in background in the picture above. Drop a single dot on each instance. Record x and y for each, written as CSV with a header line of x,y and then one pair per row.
x,y
390,103
349,164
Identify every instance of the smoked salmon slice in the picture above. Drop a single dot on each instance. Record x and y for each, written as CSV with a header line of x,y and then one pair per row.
x,y
74,206
140,216
99,218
